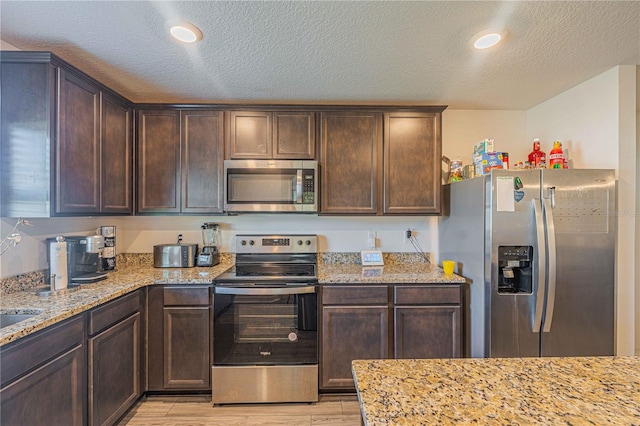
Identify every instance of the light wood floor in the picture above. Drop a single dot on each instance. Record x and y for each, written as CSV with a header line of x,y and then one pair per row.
x,y
341,410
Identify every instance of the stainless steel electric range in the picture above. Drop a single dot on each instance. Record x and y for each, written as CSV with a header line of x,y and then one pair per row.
x,y
265,323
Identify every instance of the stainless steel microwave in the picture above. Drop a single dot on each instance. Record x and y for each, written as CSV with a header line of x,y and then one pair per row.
x,y
272,186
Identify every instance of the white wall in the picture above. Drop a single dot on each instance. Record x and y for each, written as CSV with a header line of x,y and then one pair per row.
x,y
596,120
30,254
461,129
140,233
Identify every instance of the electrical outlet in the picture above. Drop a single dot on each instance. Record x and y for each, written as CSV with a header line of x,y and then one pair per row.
x,y
408,234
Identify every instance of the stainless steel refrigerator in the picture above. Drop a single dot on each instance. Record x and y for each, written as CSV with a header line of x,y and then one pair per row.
x,y
538,248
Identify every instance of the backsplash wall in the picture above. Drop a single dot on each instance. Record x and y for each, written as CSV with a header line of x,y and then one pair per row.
x,y
138,234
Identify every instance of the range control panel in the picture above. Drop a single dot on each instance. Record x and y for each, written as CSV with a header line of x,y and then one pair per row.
x,y
299,243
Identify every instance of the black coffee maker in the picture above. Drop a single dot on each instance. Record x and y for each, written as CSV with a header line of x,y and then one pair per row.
x,y
84,264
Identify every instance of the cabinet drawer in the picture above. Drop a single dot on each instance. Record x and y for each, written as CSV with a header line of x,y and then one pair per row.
x,y
431,295
186,296
31,351
354,294
114,311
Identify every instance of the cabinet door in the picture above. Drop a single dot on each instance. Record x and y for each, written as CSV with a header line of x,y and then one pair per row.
x,y
427,332
412,152
202,161
78,146
117,156
294,135
26,102
351,162
187,362
348,333
114,371
250,135
52,394
158,161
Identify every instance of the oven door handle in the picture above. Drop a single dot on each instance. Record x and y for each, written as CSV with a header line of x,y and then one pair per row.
x,y
265,291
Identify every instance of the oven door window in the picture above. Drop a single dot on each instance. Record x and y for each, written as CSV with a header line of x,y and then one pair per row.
x,y
265,329
262,186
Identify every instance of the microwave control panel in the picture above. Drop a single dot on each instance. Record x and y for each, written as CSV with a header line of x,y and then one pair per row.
x,y
308,195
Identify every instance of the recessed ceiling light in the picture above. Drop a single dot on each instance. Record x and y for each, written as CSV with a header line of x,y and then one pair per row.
x,y
185,32
487,41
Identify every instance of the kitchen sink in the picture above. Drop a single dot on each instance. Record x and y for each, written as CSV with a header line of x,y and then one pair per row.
x,y
46,292
10,317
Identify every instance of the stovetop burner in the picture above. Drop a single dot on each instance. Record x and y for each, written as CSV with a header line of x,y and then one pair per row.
x,y
273,260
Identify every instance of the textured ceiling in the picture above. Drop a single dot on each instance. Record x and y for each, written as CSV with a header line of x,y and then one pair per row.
x,y
334,52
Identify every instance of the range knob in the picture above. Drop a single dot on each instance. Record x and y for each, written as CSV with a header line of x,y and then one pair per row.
x,y
244,243
251,242
308,242
299,242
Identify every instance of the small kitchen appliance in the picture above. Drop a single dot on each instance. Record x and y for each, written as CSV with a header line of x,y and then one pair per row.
x,y
265,322
209,255
179,255
84,265
271,186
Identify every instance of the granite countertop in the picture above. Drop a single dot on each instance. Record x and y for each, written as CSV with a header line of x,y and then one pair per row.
x,y
125,280
499,391
131,276
394,273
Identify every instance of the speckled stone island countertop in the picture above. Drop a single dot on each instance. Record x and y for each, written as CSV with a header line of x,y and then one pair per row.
x,y
137,271
500,391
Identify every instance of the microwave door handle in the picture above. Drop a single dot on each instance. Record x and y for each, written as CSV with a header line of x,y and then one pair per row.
x,y
298,199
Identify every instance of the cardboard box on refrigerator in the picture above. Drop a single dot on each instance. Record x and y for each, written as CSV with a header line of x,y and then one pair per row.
x,y
486,161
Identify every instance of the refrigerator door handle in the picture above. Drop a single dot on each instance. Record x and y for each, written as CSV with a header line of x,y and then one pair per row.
x,y
551,247
539,300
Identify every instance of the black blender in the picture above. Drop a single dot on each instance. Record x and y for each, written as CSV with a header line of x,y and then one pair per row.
x,y
209,255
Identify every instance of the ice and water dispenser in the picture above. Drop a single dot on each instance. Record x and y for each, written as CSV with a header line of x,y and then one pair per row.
x,y
515,265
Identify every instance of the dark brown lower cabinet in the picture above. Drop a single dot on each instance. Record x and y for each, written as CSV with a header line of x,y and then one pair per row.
x,y
115,358
44,377
186,348
348,333
114,371
427,332
179,338
386,321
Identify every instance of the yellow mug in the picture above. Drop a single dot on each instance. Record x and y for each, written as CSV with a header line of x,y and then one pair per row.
x,y
448,266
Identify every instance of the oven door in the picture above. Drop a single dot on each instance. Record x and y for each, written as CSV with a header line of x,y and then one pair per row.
x,y
265,325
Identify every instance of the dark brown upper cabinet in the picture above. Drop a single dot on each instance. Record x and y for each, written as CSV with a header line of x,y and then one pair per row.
x,y
412,152
383,161
271,134
78,148
180,161
66,140
350,162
